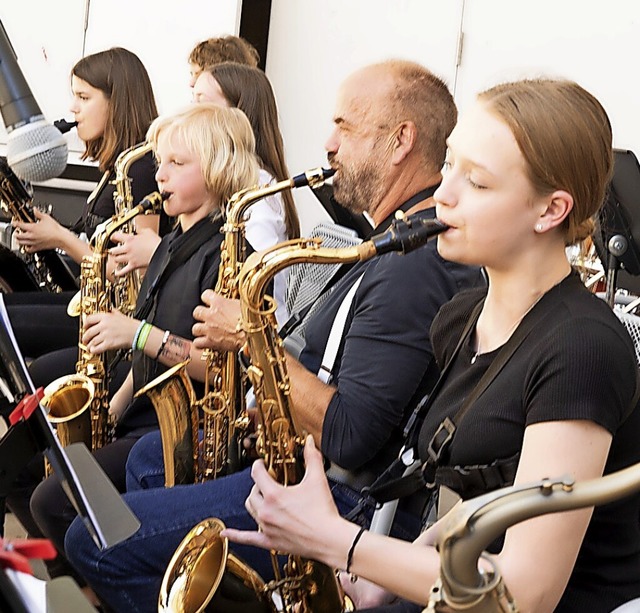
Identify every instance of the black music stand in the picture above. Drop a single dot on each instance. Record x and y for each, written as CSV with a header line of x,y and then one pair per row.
x,y
106,516
617,237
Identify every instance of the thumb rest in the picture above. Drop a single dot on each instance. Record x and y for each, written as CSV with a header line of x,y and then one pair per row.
x,y
470,527
303,585
47,269
79,403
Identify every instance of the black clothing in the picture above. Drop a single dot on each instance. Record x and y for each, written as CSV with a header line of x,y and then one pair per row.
x,y
173,308
39,319
579,365
100,204
174,302
384,364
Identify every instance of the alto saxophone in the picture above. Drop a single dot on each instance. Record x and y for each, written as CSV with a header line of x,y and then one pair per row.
x,y
47,268
125,289
304,585
79,403
222,403
470,527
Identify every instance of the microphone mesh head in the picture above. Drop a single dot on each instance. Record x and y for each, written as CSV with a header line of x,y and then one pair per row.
x,y
37,151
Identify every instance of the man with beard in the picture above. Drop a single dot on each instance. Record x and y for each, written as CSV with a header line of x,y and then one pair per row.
x,y
387,147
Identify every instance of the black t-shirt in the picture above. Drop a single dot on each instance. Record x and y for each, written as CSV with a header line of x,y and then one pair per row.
x,y
578,364
173,307
384,362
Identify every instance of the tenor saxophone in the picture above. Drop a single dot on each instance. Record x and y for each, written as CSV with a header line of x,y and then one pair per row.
x,y
79,403
172,395
470,527
125,288
303,585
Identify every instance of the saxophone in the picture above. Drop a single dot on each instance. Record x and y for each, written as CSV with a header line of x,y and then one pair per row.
x,y
46,269
68,398
125,289
222,403
471,526
304,585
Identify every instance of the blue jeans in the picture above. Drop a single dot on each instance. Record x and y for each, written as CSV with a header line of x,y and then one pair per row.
x,y
127,576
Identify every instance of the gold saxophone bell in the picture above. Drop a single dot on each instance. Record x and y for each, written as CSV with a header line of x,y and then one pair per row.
x,y
200,566
172,395
68,400
73,308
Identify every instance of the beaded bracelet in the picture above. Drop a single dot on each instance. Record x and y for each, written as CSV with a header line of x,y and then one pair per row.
x,y
143,336
165,338
134,343
353,548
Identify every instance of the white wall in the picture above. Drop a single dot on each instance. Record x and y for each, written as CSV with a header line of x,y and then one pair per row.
x,y
49,37
313,44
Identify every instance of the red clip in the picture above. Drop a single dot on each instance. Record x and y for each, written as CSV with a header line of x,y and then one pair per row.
x,y
25,408
15,554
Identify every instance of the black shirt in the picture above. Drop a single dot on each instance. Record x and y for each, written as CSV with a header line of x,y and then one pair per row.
x,y
173,306
579,365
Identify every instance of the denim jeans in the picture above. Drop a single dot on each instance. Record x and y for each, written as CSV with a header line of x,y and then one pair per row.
x,y
127,576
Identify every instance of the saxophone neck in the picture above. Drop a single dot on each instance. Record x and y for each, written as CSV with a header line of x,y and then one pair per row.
x,y
122,194
242,200
469,528
149,204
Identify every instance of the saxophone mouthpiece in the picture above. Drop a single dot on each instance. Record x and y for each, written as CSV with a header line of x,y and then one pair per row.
x,y
408,233
313,178
64,126
152,202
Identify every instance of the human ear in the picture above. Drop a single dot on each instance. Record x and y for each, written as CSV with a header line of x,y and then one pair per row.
x,y
403,141
556,209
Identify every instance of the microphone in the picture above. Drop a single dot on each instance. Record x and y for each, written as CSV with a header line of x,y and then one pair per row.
x,y
36,150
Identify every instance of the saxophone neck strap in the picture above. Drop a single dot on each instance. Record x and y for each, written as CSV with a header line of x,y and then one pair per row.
x,y
204,231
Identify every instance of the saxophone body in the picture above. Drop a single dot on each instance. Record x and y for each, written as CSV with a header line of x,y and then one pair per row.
x,y
125,289
79,403
303,585
224,420
46,269
470,527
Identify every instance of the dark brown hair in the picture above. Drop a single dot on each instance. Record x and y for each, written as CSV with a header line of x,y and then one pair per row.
x,y
123,79
249,89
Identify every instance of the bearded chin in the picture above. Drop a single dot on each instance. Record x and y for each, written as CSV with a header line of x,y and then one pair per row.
x,y
359,191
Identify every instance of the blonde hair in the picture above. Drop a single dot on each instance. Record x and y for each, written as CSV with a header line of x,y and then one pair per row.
x,y
565,137
222,139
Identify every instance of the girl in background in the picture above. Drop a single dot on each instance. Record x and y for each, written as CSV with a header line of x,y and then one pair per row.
x,y
114,105
271,220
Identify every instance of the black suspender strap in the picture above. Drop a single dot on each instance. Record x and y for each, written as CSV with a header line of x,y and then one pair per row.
x,y
390,485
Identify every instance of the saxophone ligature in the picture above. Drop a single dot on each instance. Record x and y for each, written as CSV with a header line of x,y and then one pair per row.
x,y
79,404
224,420
471,526
303,585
